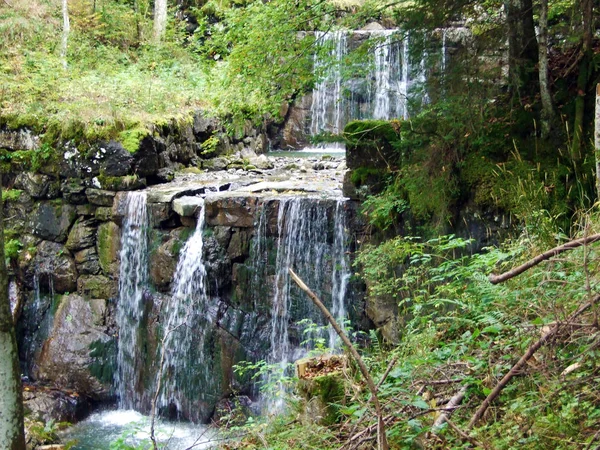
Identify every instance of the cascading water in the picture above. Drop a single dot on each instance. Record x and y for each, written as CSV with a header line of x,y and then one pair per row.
x,y
133,279
183,329
382,93
327,108
341,271
310,239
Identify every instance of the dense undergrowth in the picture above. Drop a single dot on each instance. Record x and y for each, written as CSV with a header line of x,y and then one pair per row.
x,y
463,333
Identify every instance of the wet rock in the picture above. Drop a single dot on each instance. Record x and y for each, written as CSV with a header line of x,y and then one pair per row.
x,y
73,191
239,245
262,162
55,268
87,261
116,161
52,220
222,235
187,206
36,185
103,213
65,358
215,164
85,210
100,197
47,404
230,211
97,286
163,262
146,158
204,126
159,213
108,246
165,175
82,235
293,135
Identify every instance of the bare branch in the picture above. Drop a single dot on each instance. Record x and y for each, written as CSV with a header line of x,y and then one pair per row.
x,y
495,279
381,438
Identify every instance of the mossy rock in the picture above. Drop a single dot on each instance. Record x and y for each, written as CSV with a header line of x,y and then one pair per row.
x,y
108,245
126,183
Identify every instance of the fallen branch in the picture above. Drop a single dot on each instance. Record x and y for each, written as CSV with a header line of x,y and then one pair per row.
x,y
526,357
454,402
495,279
464,435
381,437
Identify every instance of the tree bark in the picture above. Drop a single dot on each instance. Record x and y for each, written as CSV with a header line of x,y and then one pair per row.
x,y
587,9
12,436
597,140
522,48
65,33
160,19
547,109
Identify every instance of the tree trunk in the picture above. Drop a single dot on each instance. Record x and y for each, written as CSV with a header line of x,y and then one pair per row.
x,y
12,436
65,33
547,109
522,48
160,19
582,79
597,140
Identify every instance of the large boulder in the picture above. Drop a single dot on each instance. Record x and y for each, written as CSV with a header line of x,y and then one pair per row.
x,y
65,357
97,286
163,261
52,220
100,197
87,261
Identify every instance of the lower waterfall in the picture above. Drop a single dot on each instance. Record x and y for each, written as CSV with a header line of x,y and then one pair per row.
x,y
133,280
185,320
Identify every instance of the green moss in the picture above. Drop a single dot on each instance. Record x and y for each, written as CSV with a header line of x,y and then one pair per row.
x,y
12,248
121,183
329,390
130,139
11,195
367,175
104,356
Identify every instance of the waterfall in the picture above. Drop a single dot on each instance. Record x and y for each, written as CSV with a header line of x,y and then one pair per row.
x,y
310,239
382,93
189,300
327,108
341,271
133,278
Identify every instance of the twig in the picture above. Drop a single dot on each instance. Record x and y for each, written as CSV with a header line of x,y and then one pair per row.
x,y
517,367
495,279
387,371
381,438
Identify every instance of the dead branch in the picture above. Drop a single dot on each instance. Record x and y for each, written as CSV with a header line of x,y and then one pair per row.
x,y
519,365
388,370
464,435
495,279
381,437
454,402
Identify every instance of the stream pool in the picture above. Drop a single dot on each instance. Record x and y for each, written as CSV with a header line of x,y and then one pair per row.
x,y
102,429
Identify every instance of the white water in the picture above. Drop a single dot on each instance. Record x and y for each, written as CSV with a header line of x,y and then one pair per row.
x,y
133,279
311,240
341,272
383,93
102,429
189,299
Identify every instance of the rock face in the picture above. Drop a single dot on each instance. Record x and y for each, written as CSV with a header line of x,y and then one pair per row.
x,y
54,267
65,358
53,220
